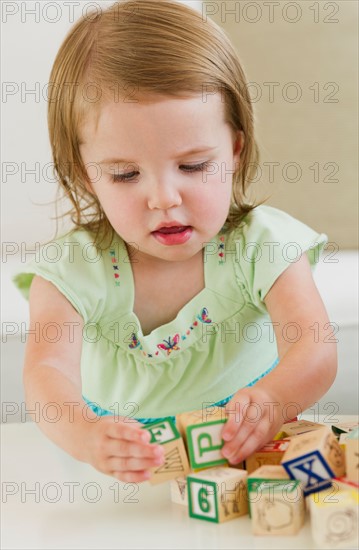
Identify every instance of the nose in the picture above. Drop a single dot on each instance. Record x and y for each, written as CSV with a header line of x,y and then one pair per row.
x,y
163,195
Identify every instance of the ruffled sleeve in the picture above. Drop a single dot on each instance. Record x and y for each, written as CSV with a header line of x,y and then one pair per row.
x,y
266,243
74,266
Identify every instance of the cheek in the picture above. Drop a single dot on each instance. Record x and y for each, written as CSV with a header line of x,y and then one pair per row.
x,y
118,206
213,196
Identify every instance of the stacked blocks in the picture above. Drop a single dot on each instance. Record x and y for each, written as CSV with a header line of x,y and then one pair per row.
x,y
314,458
217,494
312,463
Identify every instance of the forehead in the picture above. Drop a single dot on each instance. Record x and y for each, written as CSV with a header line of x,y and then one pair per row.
x,y
159,116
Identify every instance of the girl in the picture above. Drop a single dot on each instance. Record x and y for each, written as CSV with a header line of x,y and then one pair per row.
x,y
172,292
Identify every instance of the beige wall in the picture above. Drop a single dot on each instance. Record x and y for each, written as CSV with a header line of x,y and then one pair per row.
x,y
319,132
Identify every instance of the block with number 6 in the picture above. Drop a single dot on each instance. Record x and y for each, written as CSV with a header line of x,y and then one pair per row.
x,y
217,494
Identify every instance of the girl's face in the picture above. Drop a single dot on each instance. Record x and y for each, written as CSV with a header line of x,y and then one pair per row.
x,y
162,162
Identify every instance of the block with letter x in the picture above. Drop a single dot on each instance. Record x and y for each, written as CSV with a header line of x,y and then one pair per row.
x,y
314,458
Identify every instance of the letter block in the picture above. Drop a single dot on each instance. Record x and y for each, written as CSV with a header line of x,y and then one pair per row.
x,y
217,494
291,429
200,416
271,453
178,488
314,458
204,443
343,483
264,473
279,508
176,461
334,518
352,456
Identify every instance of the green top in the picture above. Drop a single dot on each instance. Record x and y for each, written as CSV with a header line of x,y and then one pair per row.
x,y
220,341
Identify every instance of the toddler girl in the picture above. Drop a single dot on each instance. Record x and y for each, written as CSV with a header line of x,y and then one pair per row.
x,y
172,292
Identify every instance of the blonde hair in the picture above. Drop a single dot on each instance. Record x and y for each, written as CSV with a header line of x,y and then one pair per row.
x,y
153,47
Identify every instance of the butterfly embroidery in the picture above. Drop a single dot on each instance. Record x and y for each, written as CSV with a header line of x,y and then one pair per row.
x,y
135,342
204,316
170,345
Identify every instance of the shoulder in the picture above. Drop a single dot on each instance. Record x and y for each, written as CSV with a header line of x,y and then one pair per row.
x,y
266,227
266,242
75,266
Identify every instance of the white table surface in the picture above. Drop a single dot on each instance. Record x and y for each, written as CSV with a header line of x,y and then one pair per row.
x,y
75,506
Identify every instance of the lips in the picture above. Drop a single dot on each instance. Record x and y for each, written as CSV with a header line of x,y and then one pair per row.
x,y
172,233
170,230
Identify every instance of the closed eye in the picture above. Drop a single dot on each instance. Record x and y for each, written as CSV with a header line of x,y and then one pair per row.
x,y
185,167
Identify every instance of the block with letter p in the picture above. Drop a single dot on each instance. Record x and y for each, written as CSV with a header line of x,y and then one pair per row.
x,y
176,462
204,442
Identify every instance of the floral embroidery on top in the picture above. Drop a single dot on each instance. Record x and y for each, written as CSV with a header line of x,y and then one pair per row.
x,y
115,266
221,250
171,344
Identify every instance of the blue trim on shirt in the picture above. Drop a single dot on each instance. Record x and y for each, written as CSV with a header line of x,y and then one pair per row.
x,y
103,412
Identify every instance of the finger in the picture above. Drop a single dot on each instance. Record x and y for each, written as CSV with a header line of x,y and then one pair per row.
x,y
122,448
131,464
230,448
234,412
132,477
250,446
131,432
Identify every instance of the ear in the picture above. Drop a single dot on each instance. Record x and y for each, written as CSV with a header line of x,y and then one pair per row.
x,y
238,144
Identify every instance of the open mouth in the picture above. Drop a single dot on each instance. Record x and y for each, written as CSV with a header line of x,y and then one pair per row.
x,y
174,235
171,230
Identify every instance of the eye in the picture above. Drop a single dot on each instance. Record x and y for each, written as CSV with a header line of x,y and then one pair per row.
x,y
124,177
185,167
194,167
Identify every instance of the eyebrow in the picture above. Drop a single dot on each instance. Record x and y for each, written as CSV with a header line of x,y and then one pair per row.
x,y
199,149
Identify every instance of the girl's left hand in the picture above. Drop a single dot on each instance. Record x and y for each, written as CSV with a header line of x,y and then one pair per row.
x,y
254,418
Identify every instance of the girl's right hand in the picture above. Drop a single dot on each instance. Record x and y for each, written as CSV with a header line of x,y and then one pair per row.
x,y
119,447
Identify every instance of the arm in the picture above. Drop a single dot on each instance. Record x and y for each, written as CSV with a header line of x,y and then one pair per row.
x,y
52,375
305,371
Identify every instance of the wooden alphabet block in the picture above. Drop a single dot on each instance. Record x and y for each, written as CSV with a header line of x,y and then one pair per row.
x,y
176,462
334,518
178,487
291,429
343,483
271,453
217,494
200,416
344,427
280,508
314,458
352,456
204,443
264,473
